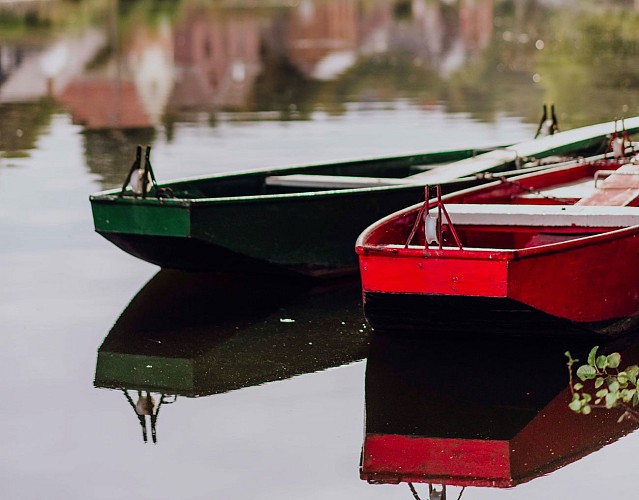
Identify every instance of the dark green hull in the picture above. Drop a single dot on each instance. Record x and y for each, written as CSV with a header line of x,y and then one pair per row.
x,y
306,235
241,221
235,222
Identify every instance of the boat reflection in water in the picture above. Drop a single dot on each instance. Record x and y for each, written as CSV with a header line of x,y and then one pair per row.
x,y
198,334
476,411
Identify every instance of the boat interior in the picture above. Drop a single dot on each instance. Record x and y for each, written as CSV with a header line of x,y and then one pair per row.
x,y
346,175
260,184
357,174
538,209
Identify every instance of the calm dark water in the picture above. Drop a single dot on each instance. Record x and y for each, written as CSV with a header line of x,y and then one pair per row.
x,y
279,370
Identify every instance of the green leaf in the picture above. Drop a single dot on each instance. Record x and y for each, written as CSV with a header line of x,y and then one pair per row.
x,y
613,385
628,394
586,410
633,372
592,355
622,378
586,372
611,399
575,405
578,386
602,362
602,393
599,382
613,360
586,398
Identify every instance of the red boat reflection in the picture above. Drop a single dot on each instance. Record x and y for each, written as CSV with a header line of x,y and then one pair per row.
x,y
476,412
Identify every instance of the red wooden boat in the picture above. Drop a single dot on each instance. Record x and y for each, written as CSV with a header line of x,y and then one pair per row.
x,y
561,243
443,411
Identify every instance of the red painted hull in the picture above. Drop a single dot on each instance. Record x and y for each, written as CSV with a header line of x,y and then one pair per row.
x,y
586,275
587,281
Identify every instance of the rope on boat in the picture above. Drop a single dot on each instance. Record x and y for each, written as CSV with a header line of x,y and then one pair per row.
x,y
618,143
433,225
134,167
547,125
142,180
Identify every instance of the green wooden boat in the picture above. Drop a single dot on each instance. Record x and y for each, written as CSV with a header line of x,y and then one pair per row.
x,y
299,219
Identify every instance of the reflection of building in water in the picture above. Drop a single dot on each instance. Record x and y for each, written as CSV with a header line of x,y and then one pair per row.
x,y
10,60
30,73
34,65
445,36
217,58
129,90
114,105
148,57
323,37
476,24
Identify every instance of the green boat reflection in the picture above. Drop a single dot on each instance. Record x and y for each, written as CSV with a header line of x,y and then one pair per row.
x,y
201,334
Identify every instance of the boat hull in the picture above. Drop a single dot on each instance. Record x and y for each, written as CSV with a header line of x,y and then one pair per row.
x,y
592,282
310,235
281,220
239,221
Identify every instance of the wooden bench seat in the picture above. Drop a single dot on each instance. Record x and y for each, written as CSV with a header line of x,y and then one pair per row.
x,y
620,188
331,181
541,215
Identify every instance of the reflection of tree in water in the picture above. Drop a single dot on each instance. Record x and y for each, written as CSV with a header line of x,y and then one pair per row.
x,y
22,123
281,87
110,153
380,78
384,78
570,56
499,78
593,58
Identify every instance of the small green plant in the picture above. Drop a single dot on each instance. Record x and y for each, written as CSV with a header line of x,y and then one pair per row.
x,y
603,385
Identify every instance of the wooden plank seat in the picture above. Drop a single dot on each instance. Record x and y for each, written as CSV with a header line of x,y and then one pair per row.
x,y
331,181
618,188
541,215
573,190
